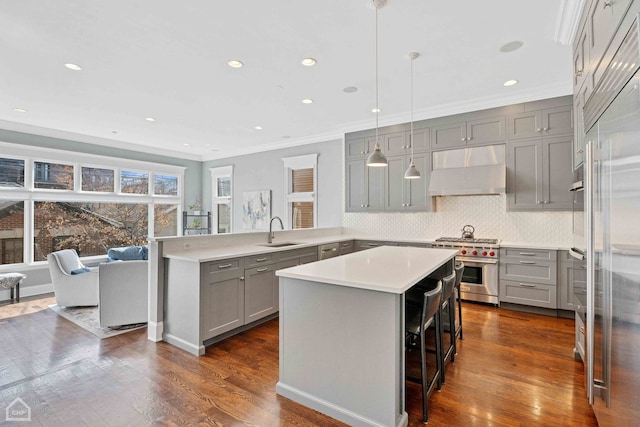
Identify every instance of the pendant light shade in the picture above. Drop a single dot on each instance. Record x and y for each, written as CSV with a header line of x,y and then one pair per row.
x,y
412,172
377,159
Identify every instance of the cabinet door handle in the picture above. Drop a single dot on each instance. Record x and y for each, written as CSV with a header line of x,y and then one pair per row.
x,y
545,129
463,139
607,4
261,259
527,285
260,270
527,262
581,329
242,278
225,266
578,73
469,139
527,253
539,130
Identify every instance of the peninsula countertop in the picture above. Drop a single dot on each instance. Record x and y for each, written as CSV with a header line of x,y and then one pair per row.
x,y
391,269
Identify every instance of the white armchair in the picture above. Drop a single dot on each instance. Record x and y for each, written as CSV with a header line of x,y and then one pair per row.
x,y
72,289
123,293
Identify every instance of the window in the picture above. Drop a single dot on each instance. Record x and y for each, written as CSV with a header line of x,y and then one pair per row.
x,y
165,185
134,182
81,201
11,172
53,176
96,179
300,183
221,179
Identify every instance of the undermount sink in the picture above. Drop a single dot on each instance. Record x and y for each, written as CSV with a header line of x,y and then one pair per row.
x,y
279,244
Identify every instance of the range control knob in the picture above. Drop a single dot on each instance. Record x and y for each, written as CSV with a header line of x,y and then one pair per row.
x,y
492,253
484,253
463,252
474,253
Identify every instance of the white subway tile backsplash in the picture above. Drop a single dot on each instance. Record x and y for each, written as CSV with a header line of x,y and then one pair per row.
x,y
488,214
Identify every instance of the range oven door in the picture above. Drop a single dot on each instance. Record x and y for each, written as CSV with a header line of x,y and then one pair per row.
x,y
479,280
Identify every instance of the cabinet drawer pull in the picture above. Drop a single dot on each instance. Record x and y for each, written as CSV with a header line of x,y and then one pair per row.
x,y
527,253
581,329
261,259
527,285
225,266
527,262
330,250
260,270
372,244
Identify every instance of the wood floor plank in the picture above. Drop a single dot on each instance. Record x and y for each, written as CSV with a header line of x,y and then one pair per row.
x,y
512,369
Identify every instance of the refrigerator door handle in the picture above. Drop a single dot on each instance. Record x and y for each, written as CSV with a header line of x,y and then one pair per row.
x,y
577,253
590,344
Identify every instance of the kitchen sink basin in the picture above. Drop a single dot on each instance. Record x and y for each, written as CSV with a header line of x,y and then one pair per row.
x,y
279,244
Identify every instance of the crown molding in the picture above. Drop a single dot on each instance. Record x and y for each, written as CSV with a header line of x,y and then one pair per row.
x,y
567,22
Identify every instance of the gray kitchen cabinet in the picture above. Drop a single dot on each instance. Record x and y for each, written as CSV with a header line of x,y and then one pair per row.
x,y
473,132
361,245
407,194
346,247
581,65
539,174
569,269
603,20
365,190
260,292
222,286
528,277
579,140
359,148
394,143
420,140
541,123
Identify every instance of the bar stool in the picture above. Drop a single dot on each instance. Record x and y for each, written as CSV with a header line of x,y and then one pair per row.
x,y
418,318
448,303
459,269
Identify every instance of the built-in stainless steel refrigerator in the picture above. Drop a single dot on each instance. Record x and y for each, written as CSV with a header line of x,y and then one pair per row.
x,y
612,211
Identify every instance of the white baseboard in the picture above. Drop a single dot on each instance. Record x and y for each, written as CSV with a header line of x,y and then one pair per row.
x,y
155,331
27,291
186,346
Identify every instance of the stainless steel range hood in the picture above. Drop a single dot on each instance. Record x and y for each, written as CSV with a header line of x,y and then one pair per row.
x,y
469,171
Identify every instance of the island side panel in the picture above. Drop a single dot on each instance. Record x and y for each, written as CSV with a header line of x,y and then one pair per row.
x,y
341,351
182,308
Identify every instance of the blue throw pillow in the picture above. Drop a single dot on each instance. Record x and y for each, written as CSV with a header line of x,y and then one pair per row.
x,y
128,253
80,270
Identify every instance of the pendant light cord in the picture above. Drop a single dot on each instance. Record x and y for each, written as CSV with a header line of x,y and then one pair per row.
x,y
411,131
376,56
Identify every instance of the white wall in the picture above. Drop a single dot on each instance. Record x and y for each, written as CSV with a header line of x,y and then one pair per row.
x,y
488,214
265,171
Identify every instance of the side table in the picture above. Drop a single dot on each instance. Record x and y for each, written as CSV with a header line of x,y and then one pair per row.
x,y
12,281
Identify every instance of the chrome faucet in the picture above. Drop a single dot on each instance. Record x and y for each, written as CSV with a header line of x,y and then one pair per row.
x,y
271,234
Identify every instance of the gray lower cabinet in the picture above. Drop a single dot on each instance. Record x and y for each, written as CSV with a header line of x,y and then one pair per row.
x,y
528,277
567,269
222,286
260,292
345,247
539,174
362,245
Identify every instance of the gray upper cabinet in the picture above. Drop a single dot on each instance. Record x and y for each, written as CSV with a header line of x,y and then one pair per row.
x,y
539,174
579,134
394,143
581,66
540,123
603,20
365,190
408,194
420,140
475,132
359,148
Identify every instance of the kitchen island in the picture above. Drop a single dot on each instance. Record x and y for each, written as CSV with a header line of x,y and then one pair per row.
x,y
342,331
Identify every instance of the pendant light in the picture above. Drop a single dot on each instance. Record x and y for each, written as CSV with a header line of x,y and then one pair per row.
x,y
377,159
412,172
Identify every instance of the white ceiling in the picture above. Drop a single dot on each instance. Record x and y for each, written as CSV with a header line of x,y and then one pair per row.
x,y
168,60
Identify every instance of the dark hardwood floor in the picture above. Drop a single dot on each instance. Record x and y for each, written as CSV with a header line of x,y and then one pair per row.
x,y
512,369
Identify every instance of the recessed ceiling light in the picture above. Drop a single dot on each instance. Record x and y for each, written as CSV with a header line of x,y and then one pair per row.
x,y
350,89
511,46
74,67
510,82
307,101
185,144
308,62
234,63
150,119
375,110
19,110
258,127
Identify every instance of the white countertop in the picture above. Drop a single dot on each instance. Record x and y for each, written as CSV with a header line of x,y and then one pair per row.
x,y
391,269
535,246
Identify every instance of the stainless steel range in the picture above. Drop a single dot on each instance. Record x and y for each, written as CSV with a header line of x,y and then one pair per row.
x,y
480,257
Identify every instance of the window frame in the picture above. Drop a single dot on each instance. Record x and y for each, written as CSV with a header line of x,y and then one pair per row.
x,y
216,173
307,161
29,194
